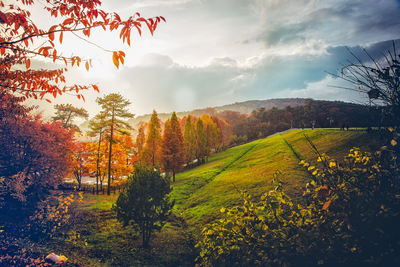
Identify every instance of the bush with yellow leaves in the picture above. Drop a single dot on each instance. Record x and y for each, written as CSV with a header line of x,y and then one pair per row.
x,y
52,214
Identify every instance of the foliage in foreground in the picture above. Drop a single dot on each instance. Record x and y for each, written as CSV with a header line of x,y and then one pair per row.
x,y
144,203
350,216
34,158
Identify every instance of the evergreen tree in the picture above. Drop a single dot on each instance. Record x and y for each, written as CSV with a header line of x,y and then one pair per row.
x,y
114,110
189,141
144,203
66,113
153,141
173,151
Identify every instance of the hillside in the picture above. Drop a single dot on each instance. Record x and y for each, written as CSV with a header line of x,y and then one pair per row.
x,y
200,192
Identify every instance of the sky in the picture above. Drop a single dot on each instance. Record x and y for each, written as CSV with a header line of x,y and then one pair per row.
x,y
216,52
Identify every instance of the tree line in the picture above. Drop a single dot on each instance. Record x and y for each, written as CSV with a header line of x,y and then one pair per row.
x,y
170,146
313,114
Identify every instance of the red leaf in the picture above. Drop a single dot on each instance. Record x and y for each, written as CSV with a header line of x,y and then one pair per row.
x,y
27,63
327,204
51,36
68,21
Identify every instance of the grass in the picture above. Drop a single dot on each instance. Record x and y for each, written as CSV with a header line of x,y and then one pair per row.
x,y
201,192
94,237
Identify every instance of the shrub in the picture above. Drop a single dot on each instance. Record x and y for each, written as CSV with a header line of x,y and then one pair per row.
x,y
144,203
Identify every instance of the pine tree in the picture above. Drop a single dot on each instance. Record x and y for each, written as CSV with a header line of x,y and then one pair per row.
x,y
113,111
201,141
66,113
173,151
189,140
153,141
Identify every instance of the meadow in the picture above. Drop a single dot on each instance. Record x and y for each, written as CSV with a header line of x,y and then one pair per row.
x,y
94,237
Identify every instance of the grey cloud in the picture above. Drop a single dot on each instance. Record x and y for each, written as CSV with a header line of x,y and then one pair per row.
x,y
335,22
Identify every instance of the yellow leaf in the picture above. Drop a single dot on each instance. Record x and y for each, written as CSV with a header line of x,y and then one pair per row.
x,y
332,164
393,142
115,59
222,210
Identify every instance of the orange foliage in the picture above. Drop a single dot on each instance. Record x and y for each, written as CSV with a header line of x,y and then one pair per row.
x,y
20,33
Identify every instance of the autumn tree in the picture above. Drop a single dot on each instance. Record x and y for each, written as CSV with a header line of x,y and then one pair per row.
x,y
189,137
201,142
66,113
34,157
173,150
114,111
140,141
152,147
21,39
212,132
123,158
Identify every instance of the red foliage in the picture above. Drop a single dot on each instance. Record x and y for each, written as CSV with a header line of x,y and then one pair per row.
x,y
20,32
34,155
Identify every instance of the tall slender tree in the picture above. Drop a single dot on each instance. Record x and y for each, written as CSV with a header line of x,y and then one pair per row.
x,y
140,141
97,127
114,111
189,137
173,150
153,141
201,142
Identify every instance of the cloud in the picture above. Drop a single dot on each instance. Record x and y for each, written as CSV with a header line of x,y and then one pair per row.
x,y
165,85
335,22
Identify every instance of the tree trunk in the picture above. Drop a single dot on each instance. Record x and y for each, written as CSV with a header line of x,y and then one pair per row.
x,y
97,165
109,154
67,120
173,174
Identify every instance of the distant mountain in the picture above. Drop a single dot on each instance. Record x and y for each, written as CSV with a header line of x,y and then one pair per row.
x,y
245,107
242,107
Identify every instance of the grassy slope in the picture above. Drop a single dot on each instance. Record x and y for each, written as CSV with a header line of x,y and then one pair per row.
x,y
199,194
202,191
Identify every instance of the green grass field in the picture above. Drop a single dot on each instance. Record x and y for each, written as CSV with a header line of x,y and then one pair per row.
x,y
201,192
95,238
